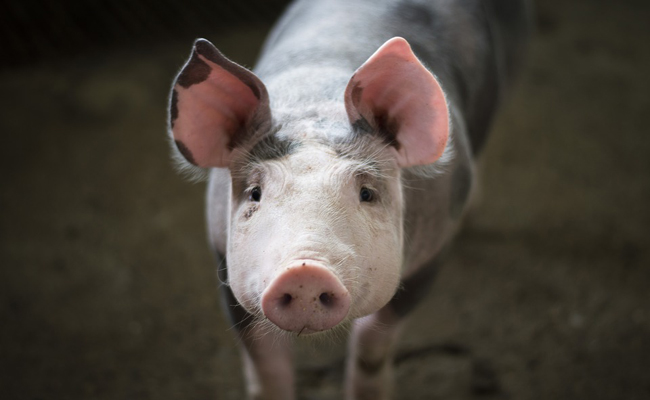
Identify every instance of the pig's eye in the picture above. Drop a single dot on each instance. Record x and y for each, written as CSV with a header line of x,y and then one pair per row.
x,y
255,194
366,195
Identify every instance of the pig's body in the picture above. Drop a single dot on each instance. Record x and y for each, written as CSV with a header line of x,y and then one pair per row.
x,y
350,239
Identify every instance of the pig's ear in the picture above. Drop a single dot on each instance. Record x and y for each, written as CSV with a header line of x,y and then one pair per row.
x,y
394,95
214,102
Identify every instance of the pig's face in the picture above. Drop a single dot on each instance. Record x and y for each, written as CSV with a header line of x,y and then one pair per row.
x,y
316,207
315,225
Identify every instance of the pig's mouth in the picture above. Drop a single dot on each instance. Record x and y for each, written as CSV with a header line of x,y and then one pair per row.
x,y
306,298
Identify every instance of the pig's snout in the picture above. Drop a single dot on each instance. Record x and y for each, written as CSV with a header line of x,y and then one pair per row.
x,y
305,299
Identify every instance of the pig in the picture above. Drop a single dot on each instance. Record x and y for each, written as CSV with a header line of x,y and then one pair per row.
x,y
340,168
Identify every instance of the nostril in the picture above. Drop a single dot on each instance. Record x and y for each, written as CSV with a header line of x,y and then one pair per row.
x,y
326,299
285,300
305,298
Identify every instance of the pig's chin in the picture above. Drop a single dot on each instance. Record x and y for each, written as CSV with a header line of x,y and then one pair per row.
x,y
338,331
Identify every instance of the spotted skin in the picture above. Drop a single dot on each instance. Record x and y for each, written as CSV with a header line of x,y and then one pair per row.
x,y
196,71
207,50
383,125
250,211
173,108
387,128
185,151
208,71
307,64
362,126
272,148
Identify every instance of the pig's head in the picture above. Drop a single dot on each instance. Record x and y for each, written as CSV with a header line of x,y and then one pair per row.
x,y
315,234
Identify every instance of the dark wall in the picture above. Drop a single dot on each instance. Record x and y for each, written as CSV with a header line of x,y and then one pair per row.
x,y
108,289
36,31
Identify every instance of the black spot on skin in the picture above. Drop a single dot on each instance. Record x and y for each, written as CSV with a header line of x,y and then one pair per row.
x,y
173,108
415,287
237,138
185,151
357,146
272,148
260,122
387,128
370,367
362,125
414,14
195,71
461,182
198,69
250,211
207,50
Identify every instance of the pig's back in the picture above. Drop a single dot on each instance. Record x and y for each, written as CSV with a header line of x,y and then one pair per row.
x,y
470,45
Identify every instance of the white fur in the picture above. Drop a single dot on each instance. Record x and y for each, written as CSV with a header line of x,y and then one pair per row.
x,y
310,209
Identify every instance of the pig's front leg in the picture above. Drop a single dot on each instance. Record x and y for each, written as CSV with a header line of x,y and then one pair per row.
x,y
267,360
373,340
267,365
370,356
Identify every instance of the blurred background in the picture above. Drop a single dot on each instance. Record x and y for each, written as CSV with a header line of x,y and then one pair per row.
x,y
107,287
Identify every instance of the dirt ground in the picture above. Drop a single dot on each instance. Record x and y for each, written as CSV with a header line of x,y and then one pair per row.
x,y
108,291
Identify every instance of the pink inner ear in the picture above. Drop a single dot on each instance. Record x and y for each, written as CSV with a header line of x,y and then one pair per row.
x,y
401,99
211,113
